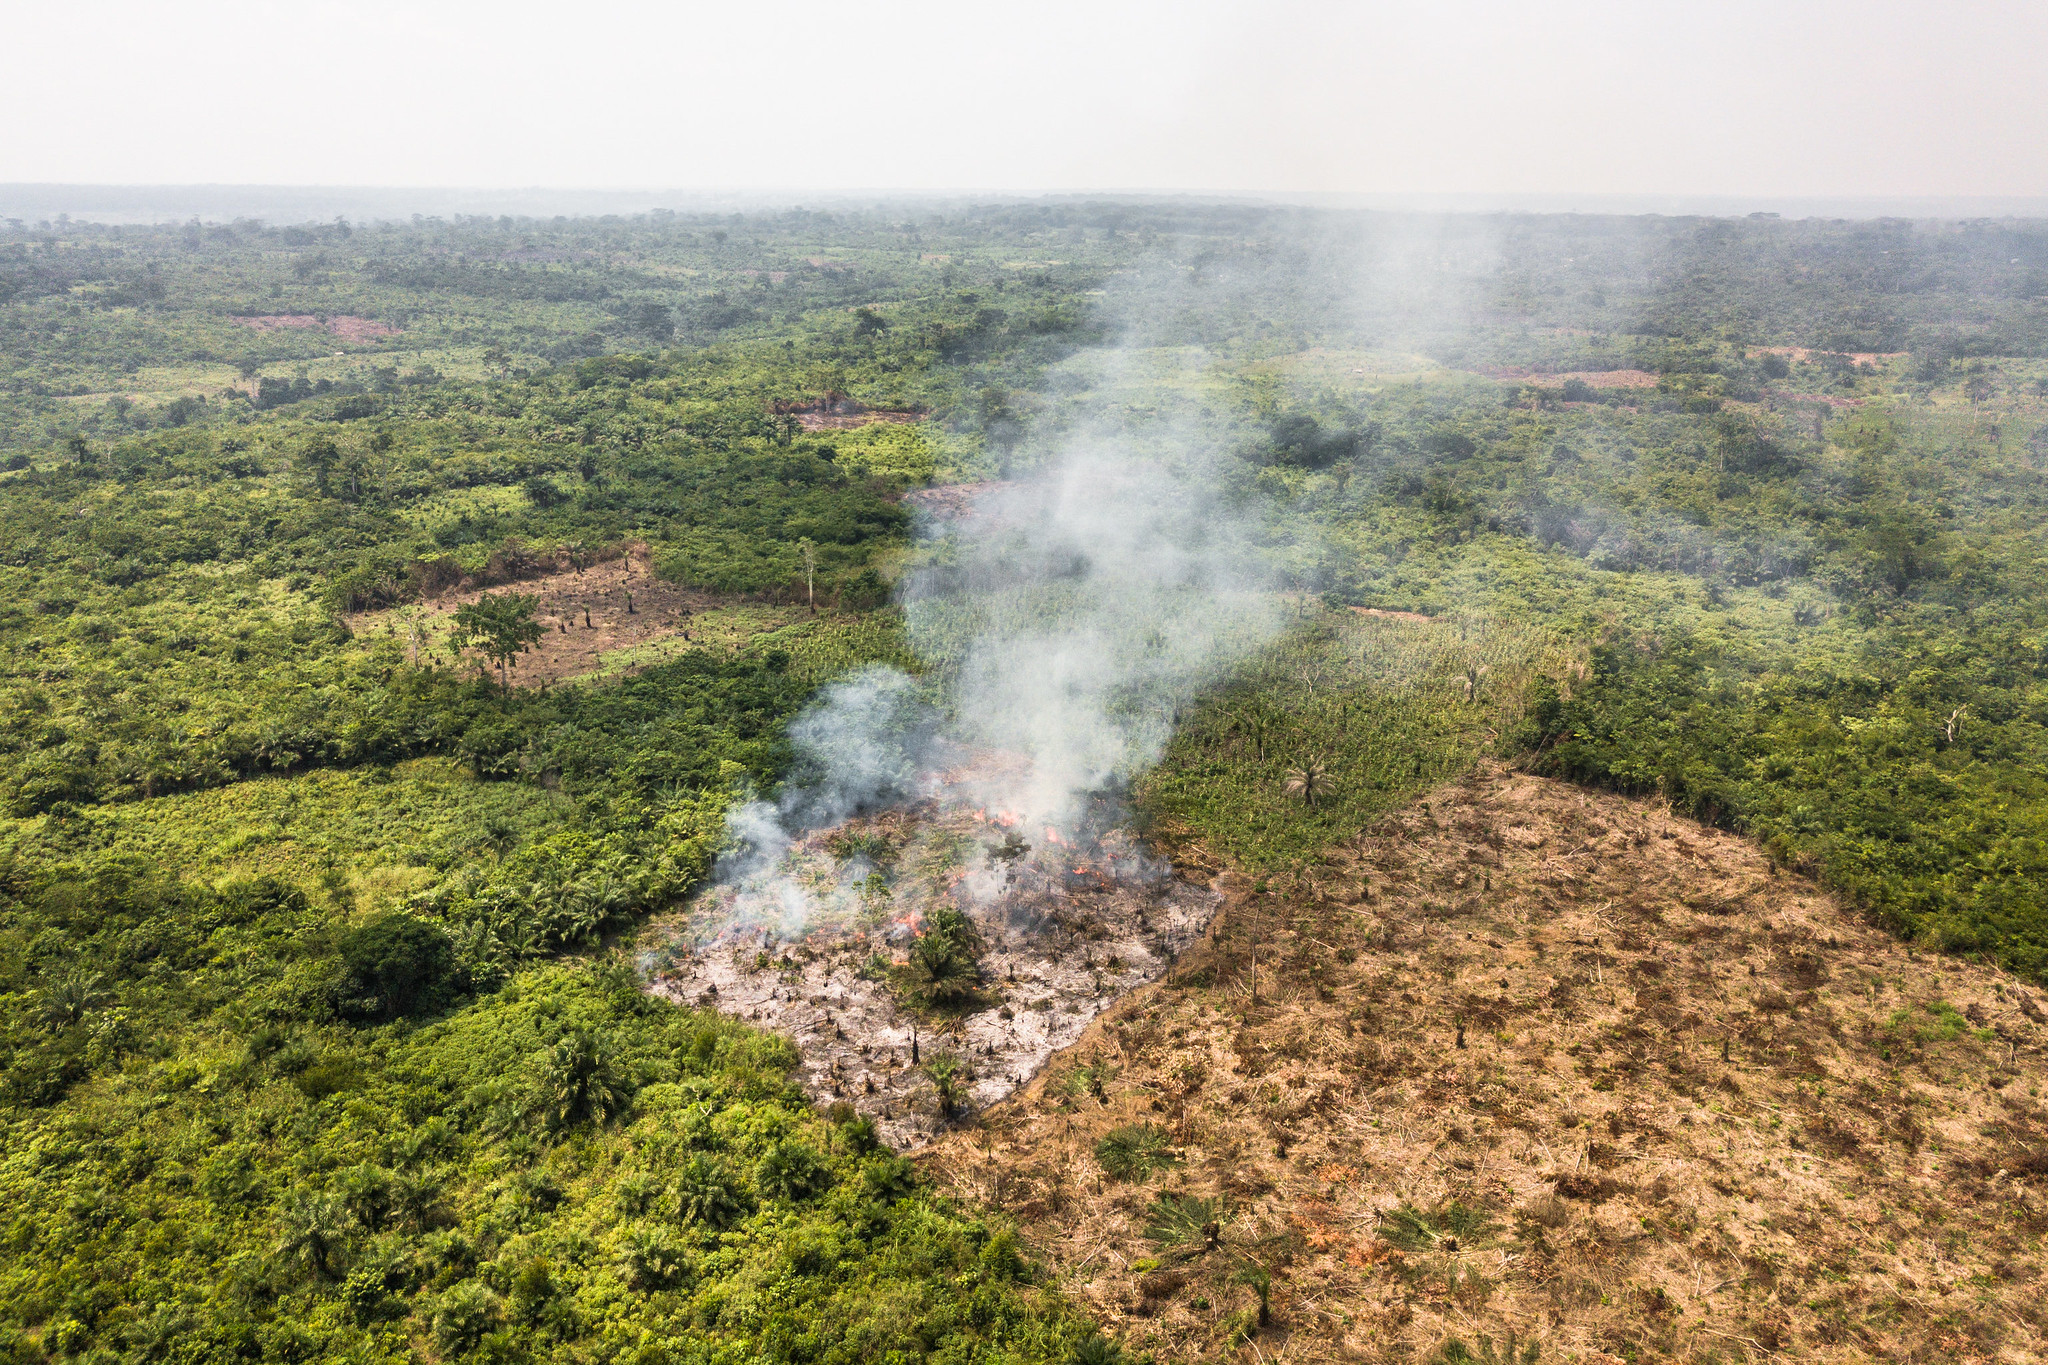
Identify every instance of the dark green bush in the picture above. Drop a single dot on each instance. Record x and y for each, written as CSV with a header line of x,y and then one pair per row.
x,y
396,965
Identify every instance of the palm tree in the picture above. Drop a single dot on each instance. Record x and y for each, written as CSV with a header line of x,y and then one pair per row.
x,y
416,1198
313,1230
708,1193
577,1081
651,1258
1310,780
68,1000
949,1077
366,1190
945,967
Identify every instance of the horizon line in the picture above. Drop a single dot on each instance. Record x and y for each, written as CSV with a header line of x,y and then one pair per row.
x,y
128,204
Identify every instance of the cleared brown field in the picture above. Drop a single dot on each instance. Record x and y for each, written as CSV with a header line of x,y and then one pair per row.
x,y
1525,1059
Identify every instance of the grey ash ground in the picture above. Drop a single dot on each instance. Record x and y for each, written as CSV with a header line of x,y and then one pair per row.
x,y
1068,928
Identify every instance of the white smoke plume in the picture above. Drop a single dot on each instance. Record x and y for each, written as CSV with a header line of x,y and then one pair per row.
x,y
1069,616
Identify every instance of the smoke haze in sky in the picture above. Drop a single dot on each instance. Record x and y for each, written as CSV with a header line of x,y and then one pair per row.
x,y
1803,99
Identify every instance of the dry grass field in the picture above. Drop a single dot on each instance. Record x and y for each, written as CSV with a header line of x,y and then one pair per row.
x,y
1529,1063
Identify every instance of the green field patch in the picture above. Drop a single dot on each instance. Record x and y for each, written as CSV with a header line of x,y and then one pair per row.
x,y
425,814
1345,719
1353,369
431,514
900,450
722,630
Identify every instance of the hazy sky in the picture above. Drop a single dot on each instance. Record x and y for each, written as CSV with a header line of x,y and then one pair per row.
x,y
1789,97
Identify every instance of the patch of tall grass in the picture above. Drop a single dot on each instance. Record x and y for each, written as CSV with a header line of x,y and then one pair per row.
x,y
1344,718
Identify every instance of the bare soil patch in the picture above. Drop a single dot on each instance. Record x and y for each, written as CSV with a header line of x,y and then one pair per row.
x,y
591,615
1392,615
1530,1059
837,412
347,327
1808,352
1599,379
1070,920
949,502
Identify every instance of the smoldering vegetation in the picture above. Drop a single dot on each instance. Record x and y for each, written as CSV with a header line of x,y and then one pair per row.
x,y
1067,615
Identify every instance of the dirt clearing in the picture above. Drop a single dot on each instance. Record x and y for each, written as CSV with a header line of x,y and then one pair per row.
x,y
613,617
1598,379
1804,353
347,327
951,501
837,412
1389,614
1527,1059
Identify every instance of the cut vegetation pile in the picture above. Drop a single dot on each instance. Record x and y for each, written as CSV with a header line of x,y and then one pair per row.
x,y
1522,1062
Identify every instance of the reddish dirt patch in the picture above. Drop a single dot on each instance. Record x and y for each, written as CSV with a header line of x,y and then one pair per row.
x,y
537,256
1808,353
1599,379
346,326
951,501
585,612
1529,1058
1394,615
837,412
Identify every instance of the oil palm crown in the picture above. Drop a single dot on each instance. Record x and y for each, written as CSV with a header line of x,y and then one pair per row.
x,y
577,1081
1310,781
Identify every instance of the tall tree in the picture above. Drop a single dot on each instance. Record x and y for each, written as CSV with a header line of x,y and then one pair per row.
x,y
319,456
498,628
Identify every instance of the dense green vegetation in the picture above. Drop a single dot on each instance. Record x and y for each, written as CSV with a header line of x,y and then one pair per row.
x,y
1797,595
311,1045
1817,622
564,1167
284,904
1912,780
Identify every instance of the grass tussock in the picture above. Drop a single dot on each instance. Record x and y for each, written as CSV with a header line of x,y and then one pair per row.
x,y
1136,1151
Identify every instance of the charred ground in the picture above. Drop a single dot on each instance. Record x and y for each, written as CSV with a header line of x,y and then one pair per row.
x,y
1063,928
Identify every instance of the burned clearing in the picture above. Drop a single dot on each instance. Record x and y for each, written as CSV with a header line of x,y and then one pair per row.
x,y
345,326
1524,1061
1061,925
953,501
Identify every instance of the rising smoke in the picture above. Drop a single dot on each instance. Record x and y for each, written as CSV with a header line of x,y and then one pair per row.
x,y
1068,616
1124,567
